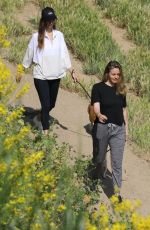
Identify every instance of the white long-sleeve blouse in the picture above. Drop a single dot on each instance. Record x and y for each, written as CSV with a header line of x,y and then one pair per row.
x,y
52,61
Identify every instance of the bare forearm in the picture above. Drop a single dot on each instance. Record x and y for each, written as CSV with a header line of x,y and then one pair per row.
x,y
102,118
125,115
97,109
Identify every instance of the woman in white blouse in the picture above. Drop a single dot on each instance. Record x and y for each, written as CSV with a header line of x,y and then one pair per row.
x,y
48,51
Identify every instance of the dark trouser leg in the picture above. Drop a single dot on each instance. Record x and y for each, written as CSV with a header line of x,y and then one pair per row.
x,y
53,91
100,142
47,91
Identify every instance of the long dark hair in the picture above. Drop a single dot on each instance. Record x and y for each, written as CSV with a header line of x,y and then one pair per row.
x,y
120,86
41,32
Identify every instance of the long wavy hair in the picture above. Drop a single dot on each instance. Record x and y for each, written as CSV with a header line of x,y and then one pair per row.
x,y
120,86
41,32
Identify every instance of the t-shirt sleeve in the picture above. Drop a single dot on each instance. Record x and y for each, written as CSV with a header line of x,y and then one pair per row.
x,y
124,102
95,95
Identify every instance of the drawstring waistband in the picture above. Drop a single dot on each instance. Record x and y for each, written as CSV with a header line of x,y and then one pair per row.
x,y
111,125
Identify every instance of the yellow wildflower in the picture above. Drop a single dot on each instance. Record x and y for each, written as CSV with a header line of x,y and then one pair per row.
x,y
114,199
125,206
3,167
46,178
95,215
9,142
3,110
53,226
16,211
36,226
48,196
104,220
23,132
28,209
20,69
20,200
119,226
103,209
34,158
14,164
5,73
61,208
14,115
6,43
3,31
89,226
2,130
140,222
23,91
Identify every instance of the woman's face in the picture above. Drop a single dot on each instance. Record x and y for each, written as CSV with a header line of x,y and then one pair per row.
x,y
50,24
114,76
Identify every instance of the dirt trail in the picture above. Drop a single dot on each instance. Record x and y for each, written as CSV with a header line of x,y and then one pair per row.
x,y
71,113
119,35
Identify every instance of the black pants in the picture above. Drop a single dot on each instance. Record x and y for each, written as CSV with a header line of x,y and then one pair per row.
x,y
47,91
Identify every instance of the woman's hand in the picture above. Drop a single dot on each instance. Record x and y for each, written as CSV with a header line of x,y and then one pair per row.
x,y
102,118
74,76
18,78
127,134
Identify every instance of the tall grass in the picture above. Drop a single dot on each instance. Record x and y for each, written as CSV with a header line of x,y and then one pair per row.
x,y
15,28
139,120
134,15
17,49
137,72
8,5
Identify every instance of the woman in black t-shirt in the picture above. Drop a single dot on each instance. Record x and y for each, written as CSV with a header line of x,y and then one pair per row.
x,y
111,125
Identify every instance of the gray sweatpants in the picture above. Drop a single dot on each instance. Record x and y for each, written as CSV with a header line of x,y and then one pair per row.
x,y
114,136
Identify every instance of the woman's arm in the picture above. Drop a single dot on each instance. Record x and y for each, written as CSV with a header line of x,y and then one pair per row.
x,y
125,115
73,74
102,118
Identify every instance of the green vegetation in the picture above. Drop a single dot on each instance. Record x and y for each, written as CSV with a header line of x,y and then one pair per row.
x,y
94,48
139,128
18,34
137,72
17,49
10,5
134,15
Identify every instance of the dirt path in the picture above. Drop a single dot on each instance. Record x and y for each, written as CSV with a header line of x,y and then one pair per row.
x,y
71,113
119,35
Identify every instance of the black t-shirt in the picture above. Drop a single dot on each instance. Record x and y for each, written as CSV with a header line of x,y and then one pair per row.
x,y
111,103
